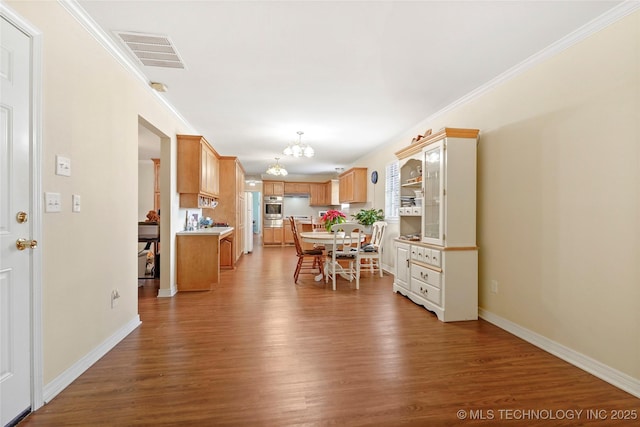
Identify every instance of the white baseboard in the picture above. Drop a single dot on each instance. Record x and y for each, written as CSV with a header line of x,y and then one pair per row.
x,y
606,373
63,380
167,293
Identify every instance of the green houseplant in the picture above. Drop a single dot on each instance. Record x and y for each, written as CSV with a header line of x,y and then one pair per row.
x,y
367,217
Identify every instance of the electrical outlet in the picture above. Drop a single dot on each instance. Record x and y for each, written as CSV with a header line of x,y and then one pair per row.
x,y
114,298
494,286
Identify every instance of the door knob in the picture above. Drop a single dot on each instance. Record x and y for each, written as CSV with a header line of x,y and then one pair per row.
x,y
23,244
21,217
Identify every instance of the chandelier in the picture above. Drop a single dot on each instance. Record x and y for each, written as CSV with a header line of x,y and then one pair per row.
x,y
276,169
298,149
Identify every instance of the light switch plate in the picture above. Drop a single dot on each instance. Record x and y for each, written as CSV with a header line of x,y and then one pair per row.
x,y
63,166
52,202
75,203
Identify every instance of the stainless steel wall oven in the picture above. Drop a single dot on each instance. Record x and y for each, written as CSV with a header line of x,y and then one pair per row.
x,y
272,207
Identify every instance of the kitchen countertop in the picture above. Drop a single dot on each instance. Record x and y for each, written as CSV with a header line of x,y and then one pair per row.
x,y
216,231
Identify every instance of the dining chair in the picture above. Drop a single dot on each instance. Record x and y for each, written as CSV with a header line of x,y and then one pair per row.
x,y
308,260
371,253
317,225
346,242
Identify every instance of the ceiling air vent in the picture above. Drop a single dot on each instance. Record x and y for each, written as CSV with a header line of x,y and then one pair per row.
x,y
153,50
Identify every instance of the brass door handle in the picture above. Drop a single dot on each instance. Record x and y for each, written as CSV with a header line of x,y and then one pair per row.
x,y
23,244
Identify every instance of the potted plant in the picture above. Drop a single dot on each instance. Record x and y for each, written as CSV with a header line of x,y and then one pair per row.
x,y
333,216
367,217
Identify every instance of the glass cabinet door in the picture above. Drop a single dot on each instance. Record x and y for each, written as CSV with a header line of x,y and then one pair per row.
x,y
433,181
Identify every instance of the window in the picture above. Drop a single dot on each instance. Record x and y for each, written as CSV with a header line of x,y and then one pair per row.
x,y
392,190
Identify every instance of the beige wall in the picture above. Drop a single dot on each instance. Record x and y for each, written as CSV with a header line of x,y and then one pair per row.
x,y
90,110
559,195
146,188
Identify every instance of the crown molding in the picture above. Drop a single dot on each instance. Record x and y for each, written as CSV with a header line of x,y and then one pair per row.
x,y
611,16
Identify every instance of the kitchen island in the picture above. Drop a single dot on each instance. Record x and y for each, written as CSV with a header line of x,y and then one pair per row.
x,y
200,255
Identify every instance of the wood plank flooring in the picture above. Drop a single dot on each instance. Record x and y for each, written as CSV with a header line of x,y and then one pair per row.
x,y
259,350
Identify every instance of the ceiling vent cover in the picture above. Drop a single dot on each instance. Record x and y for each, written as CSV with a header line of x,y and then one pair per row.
x,y
153,50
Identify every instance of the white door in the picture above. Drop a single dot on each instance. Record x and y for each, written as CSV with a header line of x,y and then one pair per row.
x,y
15,185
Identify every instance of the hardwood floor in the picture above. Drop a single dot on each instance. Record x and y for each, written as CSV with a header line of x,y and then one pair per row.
x,y
259,350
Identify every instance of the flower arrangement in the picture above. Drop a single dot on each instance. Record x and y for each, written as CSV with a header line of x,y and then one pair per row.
x,y
332,217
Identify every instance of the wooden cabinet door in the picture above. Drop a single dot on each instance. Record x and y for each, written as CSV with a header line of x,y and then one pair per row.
x,y
204,169
278,235
267,236
272,236
278,188
346,187
353,186
317,193
288,235
267,188
273,188
213,178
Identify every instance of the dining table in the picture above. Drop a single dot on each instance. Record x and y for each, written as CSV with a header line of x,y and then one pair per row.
x,y
326,239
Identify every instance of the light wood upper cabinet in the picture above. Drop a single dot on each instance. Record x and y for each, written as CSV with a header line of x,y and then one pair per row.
x,y
318,194
210,171
273,188
198,172
353,186
296,188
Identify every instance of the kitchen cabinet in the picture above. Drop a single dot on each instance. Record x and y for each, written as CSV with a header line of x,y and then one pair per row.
x,y
272,235
273,188
353,186
198,257
288,233
439,224
230,202
296,188
198,174
318,194
226,253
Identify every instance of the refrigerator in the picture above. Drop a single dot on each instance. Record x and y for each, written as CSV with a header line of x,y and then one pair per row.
x,y
248,222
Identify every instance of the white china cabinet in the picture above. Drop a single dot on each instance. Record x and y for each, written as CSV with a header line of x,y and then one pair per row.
x,y
436,253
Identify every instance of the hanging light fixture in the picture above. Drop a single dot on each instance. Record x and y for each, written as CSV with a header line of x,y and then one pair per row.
x,y
276,169
298,149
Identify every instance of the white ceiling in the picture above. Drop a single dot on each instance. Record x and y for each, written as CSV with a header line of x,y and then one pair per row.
x,y
350,74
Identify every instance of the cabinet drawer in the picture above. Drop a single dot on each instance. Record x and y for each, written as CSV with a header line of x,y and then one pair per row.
x,y
416,210
426,291
418,253
426,275
435,258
